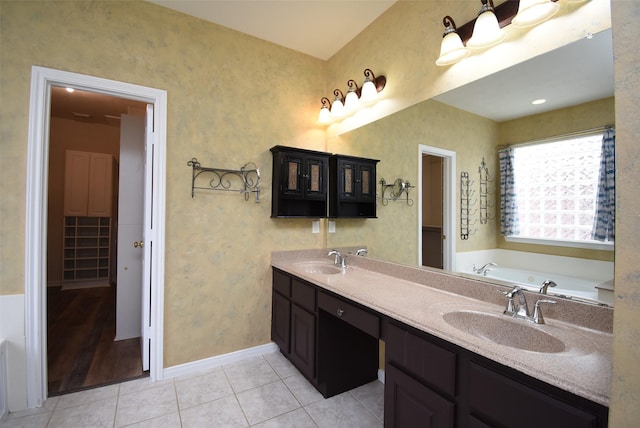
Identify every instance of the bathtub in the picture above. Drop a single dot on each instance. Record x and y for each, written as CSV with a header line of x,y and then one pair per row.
x,y
567,285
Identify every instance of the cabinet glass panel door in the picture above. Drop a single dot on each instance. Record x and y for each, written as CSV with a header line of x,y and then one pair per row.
x,y
348,179
315,187
293,175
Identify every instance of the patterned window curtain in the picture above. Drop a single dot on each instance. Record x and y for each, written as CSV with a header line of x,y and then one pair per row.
x,y
605,218
508,204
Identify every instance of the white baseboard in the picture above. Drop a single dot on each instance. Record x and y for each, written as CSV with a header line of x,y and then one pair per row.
x,y
209,363
381,375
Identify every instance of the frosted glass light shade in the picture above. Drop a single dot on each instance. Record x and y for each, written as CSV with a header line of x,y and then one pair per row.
x,y
351,101
534,12
337,108
486,31
369,92
451,50
324,117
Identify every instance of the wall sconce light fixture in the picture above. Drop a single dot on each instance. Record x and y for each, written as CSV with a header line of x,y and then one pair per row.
x,y
486,31
325,114
337,108
534,12
371,86
451,50
351,101
345,105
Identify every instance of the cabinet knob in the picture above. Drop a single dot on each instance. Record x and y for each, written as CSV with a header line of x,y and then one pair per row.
x,y
138,244
339,312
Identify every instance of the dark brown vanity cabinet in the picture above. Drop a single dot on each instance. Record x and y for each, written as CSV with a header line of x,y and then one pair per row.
x,y
352,187
293,321
299,184
332,342
432,383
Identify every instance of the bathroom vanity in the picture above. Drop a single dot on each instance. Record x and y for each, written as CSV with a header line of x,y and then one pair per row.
x,y
452,359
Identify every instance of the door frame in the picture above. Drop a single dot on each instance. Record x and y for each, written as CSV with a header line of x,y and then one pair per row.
x,y
448,204
42,79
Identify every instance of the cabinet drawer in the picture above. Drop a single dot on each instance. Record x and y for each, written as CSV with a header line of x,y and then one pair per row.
x,y
430,363
351,314
501,400
281,283
303,294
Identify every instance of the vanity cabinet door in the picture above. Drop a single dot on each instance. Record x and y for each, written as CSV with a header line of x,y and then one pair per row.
x,y
303,341
280,322
499,400
408,403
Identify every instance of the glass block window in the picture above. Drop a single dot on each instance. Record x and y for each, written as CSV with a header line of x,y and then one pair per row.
x,y
556,185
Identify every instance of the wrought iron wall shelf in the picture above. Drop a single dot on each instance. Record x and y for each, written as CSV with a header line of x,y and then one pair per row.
x,y
465,206
485,204
245,180
393,191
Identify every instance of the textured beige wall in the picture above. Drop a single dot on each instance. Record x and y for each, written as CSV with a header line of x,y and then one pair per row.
x,y
625,379
145,44
545,125
223,88
395,140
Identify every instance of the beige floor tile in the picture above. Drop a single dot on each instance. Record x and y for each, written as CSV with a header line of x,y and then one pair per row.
x,y
222,413
147,404
88,396
207,387
267,401
304,392
34,420
96,414
297,419
167,421
281,365
249,373
342,411
371,395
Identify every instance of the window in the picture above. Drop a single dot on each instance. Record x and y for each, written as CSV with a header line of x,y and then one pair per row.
x,y
555,190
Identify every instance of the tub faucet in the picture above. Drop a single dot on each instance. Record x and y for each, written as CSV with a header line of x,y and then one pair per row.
x,y
484,269
339,260
546,284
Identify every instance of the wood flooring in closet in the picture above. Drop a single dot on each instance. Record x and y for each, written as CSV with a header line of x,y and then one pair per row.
x,y
81,351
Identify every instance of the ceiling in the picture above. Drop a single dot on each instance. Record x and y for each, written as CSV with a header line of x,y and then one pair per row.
x,y
319,28
574,74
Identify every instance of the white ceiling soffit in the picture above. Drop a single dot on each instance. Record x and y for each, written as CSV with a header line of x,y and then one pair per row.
x,y
319,28
573,74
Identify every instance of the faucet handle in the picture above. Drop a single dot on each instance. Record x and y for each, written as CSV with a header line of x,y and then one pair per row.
x,y
511,307
537,313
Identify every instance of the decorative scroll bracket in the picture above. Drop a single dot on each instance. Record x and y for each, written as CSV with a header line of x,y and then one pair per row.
x,y
221,179
395,190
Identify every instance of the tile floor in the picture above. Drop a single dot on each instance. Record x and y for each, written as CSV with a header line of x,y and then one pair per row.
x,y
265,391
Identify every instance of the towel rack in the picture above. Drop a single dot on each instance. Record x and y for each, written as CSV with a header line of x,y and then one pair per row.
x,y
226,180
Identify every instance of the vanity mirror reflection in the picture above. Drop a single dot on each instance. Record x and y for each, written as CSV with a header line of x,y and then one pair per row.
x,y
472,121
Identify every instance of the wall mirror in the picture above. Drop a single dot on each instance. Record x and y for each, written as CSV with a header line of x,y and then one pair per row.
x,y
575,74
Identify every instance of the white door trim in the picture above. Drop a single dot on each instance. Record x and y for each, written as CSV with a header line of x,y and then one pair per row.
x,y
42,79
448,204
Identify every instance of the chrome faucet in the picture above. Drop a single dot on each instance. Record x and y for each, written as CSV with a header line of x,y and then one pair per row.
x,y
520,309
339,260
484,269
361,252
546,284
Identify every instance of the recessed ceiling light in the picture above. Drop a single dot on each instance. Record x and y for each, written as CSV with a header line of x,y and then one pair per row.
x,y
538,101
70,90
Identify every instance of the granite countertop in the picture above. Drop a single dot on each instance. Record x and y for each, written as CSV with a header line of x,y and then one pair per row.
x,y
420,297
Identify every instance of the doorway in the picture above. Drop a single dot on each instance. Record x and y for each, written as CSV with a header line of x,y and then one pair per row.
x,y
42,80
90,173
436,207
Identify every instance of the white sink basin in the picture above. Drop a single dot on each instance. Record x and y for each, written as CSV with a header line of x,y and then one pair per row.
x,y
503,330
319,268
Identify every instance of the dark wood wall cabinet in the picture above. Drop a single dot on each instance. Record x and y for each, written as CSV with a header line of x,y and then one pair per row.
x,y
299,183
429,382
352,187
312,184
